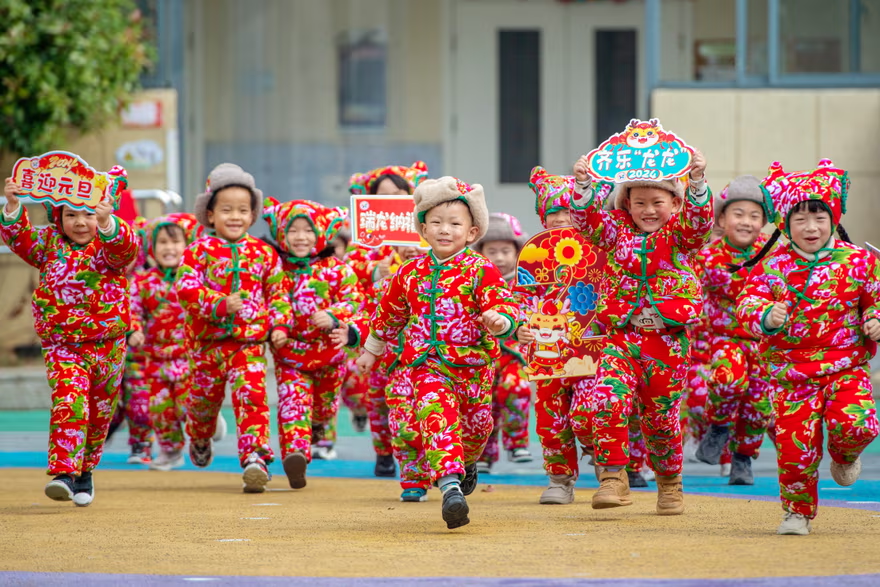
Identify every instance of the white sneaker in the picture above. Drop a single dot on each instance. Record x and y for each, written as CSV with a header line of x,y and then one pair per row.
x,y
648,474
220,430
484,467
324,453
256,475
725,470
520,455
167,461
794,525
690,450
846,475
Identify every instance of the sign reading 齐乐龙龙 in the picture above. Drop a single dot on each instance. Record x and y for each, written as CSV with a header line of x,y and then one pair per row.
x,y
59,178
384,220
564,271
642,152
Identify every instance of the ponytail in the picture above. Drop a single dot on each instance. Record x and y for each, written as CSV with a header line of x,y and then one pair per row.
x,y
841,232
761,254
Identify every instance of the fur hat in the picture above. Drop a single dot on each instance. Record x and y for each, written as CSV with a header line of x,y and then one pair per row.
x,y
552,192
433,192
325,221
503,227
224,176
621,190
360,183
743,188
782,191
192,228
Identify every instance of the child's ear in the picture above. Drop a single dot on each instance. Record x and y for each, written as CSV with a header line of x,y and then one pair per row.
x,y
677,204
473,233
210,218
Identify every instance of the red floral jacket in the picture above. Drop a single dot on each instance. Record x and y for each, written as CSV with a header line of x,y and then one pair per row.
x,y
213,268
829,300
721,287
438,306
83,291
156,311
655,269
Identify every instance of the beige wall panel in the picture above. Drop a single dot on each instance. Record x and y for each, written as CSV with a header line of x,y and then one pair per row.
x,y
849,129
422,80
705,119
777,125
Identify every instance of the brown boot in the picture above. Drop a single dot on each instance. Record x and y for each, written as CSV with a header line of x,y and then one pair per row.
x,y
613,490
670,496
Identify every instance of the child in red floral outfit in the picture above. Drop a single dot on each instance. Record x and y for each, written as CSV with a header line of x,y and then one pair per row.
x,y
323,293
652,294
450,304
81,314
815,303
235,294
738,408
158,330
511,392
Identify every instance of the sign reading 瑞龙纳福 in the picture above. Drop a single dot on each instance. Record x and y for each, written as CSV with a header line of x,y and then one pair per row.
x,y
642,152
384,220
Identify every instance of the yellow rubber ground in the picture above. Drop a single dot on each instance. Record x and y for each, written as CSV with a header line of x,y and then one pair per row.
x,y
202,524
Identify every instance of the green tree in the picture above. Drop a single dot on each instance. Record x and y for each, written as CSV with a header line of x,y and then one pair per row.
x,y
65,64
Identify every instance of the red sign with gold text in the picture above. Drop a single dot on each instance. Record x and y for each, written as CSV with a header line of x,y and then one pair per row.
x,y
384,220
59,178
567,272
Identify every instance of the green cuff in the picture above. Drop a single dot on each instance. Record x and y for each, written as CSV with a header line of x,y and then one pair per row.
x,y
693,201
764,328
18,214
110,237
511,330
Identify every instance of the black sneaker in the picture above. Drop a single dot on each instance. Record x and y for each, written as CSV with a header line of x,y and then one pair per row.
x,y
317,433
636,479
455,509
83,490
385,466
741,470
359,422
713,444
60,488
469,483
200,452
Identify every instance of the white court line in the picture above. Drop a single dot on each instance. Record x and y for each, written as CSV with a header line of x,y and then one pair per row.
x,y
234,540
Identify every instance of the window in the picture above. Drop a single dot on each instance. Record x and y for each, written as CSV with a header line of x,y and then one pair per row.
x,y
519,96
362,65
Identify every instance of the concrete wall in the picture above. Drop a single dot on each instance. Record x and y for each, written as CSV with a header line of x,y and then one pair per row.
x,y
743,131
267,91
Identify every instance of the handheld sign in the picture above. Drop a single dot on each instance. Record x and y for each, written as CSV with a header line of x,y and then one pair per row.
x,y
873,249
384,220
565,271
59,178
643,151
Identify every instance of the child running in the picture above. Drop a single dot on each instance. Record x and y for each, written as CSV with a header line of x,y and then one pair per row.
x,y
511,392
323,293
450,304
235,295
815,303
81,314
652,293
158,325
738,409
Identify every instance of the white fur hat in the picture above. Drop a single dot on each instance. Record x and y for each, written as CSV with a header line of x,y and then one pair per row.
x,y
224,176
621,190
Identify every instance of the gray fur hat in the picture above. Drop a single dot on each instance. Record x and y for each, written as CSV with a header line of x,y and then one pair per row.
x,y
744,187
224,176
503,227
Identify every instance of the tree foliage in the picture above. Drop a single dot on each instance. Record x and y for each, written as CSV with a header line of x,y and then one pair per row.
x,y
65,64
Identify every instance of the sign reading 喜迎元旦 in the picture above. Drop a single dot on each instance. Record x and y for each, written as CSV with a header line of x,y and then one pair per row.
x,y
59,178
642,152
384,220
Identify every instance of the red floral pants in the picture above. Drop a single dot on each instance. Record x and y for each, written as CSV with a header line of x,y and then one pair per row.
x,y
306,399
85,379
406,436
563,418
454,412
243,367
511,396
